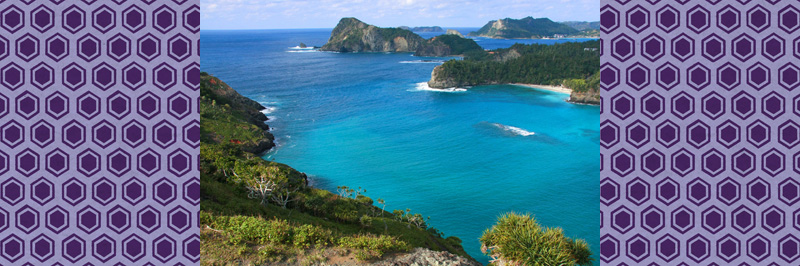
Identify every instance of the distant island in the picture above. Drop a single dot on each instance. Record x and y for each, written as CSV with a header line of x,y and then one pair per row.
x,y
573,65
533,28
423,29
353,35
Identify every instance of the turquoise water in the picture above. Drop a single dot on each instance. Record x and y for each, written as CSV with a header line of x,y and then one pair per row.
x,y
360,120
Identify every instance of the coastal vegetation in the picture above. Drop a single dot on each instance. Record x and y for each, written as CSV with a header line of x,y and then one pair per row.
x,y
525,28
254,211
423,29
517,239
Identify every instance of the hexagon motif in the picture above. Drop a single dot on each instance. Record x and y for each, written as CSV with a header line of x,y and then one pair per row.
x,y
772,219
13,19
133,191
27,47
4,163
133,133
653,162
180,162
682,47
698,76
652,105
789,134
133,248
622,47
104,76
758,191
668,248
653,47
682,105
652,219
73,19
118,105
698,191
13,247
789,18
57,162
103,191
3,47
118,219
88,162
789,191
119,162
103,248
743,219
27,105
57,219
667,76
609,19
191,248
796,109
164,248
73,76
42,248
728,76
148,219
73,191
743,105
667,18
609,248
772,162
191,190
27,219
12,191
103,18
713,105
164,134
789,248
609,191
103,133
133,18
609,76
4,103
637,18
758,76
88,47
698,19
638,76
638,248
42,191
149,162
682,219
88,220
728,191
772,47
728,19
164,191
164,76
743,47
637,133
623,105
758,18
27,162
728,134
758,247
682,162
88,105
164,19
698,248
57,47
743,162
713,219
728,248
191,77
638,191
12,133
180,219
3,220
57,105
789,76
133,76
667,133
191,19
13,76
713,162
118,47
622,162
179,105
42,76
149,47
622,219
713,47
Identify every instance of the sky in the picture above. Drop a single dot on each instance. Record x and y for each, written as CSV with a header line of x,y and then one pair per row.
x,y
285,14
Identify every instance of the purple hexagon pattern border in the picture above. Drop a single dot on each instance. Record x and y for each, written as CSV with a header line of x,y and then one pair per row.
x,y
699,132
98,115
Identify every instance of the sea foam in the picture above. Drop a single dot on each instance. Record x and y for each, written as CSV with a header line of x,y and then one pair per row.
x,y
423,86
422,62
514,130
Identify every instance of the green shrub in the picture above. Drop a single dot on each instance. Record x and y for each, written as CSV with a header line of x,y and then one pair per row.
x,y
520,239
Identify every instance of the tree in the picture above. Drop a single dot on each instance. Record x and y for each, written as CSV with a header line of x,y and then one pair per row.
x,y
518,239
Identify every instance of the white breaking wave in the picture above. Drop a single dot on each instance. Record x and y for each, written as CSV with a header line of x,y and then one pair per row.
x,y
422,62
301,48
423,86
515,130
269,109
302,51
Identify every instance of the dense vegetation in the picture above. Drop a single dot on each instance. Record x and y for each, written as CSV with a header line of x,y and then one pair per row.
x,y
528,27
519,240
260,212
533,64
458,45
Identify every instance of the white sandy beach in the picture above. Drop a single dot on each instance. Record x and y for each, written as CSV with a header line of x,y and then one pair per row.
x,y
560,89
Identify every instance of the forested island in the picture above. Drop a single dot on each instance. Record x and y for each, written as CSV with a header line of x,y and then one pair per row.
x,y
575,65
258,212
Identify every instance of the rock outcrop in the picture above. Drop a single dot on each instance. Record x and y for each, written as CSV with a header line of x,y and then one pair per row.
x,y
525,28
427,257
591,96
353,35
454,32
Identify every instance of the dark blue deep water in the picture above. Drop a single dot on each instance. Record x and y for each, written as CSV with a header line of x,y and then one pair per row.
x,y
462,158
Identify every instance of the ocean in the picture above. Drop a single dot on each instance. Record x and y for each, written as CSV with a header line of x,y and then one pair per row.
x,y
462,157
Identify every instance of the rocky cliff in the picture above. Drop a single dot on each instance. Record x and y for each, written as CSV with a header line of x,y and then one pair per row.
x,y
454,32
353,35
591,96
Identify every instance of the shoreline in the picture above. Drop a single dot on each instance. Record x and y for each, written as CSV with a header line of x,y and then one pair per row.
x,y
559,89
